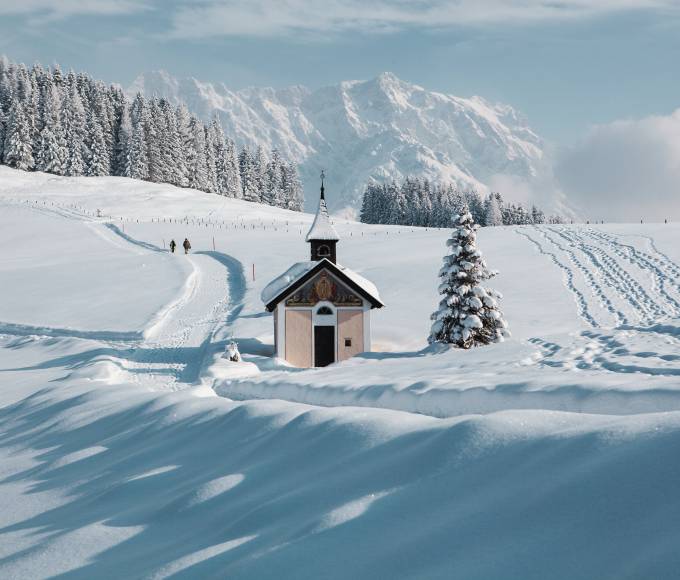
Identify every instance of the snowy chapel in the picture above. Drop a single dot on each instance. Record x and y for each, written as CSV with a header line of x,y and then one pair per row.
x,y
321,309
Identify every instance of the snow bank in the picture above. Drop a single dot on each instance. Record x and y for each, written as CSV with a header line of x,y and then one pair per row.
x,y
146,485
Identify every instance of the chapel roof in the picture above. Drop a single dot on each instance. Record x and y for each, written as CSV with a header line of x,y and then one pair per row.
x,y
301,272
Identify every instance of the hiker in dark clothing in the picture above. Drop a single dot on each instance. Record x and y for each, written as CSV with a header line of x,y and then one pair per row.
x,y
186,245
173,245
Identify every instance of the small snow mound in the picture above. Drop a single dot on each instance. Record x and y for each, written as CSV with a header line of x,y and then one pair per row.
x,y
78,456
350,511
216,487
154,472
199,556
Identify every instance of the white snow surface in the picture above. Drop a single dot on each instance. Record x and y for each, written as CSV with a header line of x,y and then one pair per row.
x,y
551,455
322,228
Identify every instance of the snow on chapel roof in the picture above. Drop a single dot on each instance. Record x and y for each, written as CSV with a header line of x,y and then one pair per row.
x,y
322,228
297,271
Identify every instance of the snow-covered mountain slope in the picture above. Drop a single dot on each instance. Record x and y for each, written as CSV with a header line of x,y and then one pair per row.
x,y
381,128
569,471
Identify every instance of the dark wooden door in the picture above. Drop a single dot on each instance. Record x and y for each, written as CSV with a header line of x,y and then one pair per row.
x,y
324,345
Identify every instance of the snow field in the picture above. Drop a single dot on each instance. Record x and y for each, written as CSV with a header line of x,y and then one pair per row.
x,y
104,483
116,458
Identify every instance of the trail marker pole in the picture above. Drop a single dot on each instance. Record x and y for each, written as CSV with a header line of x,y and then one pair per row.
x,y
213,243
253,272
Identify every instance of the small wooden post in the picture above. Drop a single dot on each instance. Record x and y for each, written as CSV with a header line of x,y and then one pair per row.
x,y
253,272
213,243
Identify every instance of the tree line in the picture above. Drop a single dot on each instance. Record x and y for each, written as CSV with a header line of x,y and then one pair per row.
x,y
420,202
70,124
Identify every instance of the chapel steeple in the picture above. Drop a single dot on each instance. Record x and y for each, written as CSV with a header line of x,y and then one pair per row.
x,y
322,235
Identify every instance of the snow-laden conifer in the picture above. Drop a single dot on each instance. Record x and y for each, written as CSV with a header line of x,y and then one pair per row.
x,y
73,122
136,162
293,193
210,160
273,181
52,149
196,165
492,211
97,162
154,131
249,180
18,142
123,142
468,314
232,177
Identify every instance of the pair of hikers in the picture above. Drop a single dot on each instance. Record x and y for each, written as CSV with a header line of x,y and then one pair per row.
x,y
186,245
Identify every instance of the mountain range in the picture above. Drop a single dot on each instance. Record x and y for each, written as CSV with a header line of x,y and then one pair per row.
x,y
380,129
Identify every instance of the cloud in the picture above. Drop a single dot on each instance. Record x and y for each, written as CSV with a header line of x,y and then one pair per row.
x,y
267,18
626,170
50,9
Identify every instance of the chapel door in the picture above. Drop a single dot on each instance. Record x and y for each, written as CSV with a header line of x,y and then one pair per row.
x,y
324,345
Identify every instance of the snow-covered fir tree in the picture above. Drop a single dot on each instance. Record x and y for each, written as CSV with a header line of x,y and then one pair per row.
x,y
196,166
220,153
492,211
136,161
259,169
468,314
73,121
292,188
97,162
273,181
18,146
210,161
232,177
123,142
249,181
52,149
154,131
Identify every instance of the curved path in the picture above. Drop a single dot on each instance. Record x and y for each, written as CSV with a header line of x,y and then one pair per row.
x,y
170,352
177,343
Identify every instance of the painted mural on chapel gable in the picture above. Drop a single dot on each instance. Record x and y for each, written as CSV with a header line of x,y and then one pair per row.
x,y
324,287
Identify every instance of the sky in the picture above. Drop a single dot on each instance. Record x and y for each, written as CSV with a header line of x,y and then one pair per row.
x,y
584,72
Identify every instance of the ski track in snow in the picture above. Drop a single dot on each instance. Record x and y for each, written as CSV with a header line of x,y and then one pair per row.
x,y
626,282
579,297
616,283
645,291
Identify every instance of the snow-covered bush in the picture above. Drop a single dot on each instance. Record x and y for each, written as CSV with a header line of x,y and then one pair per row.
x,y
468,313
232,353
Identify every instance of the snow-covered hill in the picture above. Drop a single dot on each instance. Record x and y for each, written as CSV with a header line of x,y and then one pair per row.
x,y
552,455
381,128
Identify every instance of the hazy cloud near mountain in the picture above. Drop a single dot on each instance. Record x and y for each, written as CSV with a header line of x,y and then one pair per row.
x,y
626,170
